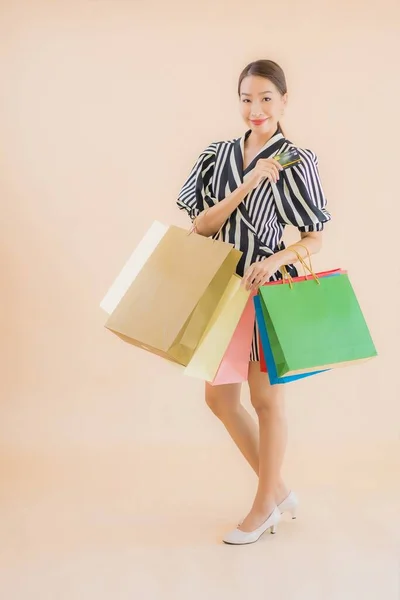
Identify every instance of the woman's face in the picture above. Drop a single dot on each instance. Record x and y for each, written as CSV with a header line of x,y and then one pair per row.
x,y
261,104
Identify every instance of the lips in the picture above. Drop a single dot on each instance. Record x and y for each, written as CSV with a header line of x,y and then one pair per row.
x,y
258,121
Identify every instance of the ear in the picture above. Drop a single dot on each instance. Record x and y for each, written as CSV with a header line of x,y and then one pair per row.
x,y
285,99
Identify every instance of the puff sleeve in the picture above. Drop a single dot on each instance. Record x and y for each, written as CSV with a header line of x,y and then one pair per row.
x,y
300,199
196,193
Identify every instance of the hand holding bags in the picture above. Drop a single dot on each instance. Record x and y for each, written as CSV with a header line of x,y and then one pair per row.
x,y
314,324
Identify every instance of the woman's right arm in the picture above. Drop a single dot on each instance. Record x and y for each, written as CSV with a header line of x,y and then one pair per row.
x,y
212,219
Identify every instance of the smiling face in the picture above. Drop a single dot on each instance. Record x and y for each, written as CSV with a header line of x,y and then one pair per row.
x,y
261,104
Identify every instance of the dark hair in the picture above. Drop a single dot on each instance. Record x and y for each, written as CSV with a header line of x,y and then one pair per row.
x,y
268,69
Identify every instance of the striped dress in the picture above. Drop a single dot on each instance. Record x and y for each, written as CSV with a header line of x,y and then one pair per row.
x,y
256,227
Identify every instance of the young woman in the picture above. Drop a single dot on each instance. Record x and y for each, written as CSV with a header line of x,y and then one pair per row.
x,y
240,193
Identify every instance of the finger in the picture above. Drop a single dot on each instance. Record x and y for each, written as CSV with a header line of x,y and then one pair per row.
x,y
247,275
257,280
254,276
269,166
249,281
272,171
275,170
249,285
272,177
278,165
267,174
249,272
254,286
260,177
272,162
265,277
265,280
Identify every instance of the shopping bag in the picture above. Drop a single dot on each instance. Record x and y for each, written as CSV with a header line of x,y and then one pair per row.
x,y
234,367
133,266
206,360
267,364
315,324
163,300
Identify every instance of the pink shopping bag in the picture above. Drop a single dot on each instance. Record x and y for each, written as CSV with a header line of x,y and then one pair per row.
x,y
234,367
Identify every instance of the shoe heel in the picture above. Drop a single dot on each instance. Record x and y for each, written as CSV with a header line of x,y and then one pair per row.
x,y
273,529
293,513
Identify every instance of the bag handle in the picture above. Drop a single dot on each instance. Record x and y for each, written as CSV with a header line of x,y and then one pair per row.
x,y
301,260
309,268
286,275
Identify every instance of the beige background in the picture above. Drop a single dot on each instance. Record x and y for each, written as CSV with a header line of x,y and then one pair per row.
x,y
104,107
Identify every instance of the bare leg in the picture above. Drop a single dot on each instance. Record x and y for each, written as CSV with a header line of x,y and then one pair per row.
x,y
268,402
224,401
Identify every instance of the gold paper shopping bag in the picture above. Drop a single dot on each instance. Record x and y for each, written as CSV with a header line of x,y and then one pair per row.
x,y
168,305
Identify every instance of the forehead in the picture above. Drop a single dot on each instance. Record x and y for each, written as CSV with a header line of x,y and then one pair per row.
x,y
253,84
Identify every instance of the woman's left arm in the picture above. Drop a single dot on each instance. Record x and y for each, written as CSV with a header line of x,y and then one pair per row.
x,y
260,273
311,240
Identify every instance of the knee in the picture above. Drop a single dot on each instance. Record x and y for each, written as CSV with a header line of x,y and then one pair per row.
x,y
221,406
268,403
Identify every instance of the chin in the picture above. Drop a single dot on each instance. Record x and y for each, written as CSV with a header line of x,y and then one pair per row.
x,y
268,127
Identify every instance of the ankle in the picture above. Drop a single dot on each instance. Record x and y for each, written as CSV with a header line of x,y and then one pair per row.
x,y
263,505
281,493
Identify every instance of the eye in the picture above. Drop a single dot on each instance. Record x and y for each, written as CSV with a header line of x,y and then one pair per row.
x,y
246,100
268,99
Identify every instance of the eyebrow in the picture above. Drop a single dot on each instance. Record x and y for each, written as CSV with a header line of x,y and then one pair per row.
x,y
267,92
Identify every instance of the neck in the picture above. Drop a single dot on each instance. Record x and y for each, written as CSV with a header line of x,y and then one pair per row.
x,y
259,139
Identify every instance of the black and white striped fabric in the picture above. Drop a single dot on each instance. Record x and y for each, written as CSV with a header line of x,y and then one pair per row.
x,y
256,227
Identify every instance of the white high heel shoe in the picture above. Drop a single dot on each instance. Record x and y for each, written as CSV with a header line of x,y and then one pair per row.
x,y
239,537
289,504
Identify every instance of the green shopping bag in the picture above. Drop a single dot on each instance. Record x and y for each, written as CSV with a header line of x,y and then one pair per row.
x,y
315,324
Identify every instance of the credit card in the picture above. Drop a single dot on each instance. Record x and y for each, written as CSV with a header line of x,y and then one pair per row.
x,y
288,158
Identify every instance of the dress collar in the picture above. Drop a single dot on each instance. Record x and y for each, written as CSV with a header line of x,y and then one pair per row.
x,y
269,148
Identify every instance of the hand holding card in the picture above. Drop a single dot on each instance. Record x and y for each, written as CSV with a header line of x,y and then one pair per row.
x,y
266,168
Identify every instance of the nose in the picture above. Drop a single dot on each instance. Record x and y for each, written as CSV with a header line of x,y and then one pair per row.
x,y
256,110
